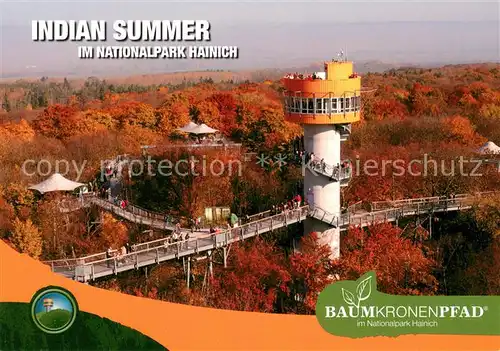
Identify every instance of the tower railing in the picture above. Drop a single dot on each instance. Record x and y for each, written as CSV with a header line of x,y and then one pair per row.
x,y
335,173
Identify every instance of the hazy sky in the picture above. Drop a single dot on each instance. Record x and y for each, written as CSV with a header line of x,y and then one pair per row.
x,y
22,12
59,300
269,34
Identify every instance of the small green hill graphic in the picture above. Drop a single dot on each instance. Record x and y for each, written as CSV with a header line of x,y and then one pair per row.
x,y
89,332
54,319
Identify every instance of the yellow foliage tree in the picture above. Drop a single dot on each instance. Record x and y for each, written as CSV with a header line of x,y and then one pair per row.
x,y
19,196
168,122
134,113
21,130
99,117
114,232
26,238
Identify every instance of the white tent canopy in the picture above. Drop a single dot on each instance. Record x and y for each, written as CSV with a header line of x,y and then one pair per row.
x,y
56,182
187,128
489,148
202,129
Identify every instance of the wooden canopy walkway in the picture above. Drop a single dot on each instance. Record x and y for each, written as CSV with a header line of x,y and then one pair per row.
x,y
156,251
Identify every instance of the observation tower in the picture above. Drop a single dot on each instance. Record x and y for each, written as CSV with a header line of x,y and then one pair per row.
x,y
325,104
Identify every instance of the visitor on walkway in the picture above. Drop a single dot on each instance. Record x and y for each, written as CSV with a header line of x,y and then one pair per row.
x,y
180,238
233,220
108,256
192,224
127,247
298,200
123,252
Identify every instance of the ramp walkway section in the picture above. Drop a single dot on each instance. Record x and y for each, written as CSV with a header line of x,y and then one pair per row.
x,y
153,252
391,211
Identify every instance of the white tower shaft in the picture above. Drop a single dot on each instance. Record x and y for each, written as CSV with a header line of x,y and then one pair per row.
x,y
324,142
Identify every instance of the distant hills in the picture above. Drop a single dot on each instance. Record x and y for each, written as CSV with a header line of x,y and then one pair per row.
x,y
267,46
215,75
222,75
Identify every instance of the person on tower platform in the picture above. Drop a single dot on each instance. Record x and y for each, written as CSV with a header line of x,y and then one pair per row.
x,y
312,158
323,165
299,199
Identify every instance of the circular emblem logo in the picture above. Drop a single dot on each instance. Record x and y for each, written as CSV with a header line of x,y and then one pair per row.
x,y
53,309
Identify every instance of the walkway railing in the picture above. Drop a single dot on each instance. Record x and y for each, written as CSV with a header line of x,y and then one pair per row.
x,y
391,214
135,214
380,205
97,265
356,207
160,250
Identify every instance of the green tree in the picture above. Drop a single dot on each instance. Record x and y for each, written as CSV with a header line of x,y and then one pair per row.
x,y
6,103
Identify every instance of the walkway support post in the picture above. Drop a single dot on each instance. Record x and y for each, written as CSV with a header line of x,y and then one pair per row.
x,y
188,272
210,263
224,253
430,225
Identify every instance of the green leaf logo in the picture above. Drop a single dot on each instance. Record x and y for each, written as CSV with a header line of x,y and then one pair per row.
x,y
348,297
364,289
356,309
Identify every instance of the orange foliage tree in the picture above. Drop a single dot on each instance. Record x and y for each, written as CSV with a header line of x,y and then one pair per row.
x,y
311,271
401,265
7,215
255,275
57,121
114,233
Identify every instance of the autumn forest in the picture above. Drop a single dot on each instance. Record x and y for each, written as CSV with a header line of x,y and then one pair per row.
x,y
442,113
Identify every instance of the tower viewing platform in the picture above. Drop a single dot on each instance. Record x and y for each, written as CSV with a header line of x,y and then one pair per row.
x,y
325,104
329,97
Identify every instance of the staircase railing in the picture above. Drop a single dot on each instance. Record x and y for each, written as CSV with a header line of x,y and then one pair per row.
x,y
333,172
